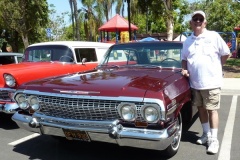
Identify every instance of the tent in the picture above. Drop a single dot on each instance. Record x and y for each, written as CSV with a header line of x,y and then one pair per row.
x,y
116,24
148,39
181,37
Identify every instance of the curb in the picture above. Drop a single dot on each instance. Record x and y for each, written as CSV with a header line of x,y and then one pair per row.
x,y
230,92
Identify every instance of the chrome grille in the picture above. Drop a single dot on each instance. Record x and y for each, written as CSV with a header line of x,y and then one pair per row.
x,y
77,108
4,95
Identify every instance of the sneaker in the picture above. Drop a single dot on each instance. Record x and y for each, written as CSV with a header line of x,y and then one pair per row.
x,y
213,146
203,139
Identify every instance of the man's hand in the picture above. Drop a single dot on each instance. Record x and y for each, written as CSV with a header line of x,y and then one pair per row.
x,y
185,73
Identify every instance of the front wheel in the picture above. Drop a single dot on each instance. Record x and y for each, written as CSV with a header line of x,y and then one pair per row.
x,y
172,149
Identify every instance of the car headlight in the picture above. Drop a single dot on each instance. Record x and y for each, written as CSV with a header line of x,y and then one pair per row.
x,y
9,80
34,103
127,111
150,113
22,101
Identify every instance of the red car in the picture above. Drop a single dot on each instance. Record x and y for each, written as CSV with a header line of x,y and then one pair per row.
x,y
134,98
47,59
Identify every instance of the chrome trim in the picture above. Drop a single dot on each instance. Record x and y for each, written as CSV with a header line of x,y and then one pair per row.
x,y
103,131
120,98
172,109
9,90
10,108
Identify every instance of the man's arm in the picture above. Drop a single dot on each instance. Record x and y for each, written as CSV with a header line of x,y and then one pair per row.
x,y
184,68
184,65
224,59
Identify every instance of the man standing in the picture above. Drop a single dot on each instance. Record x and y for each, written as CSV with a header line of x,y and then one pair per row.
x,y
204,53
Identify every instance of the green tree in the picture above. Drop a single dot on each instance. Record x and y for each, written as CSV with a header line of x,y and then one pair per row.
x,y
24,16
57,23
225,16
91,17
164,15
75,19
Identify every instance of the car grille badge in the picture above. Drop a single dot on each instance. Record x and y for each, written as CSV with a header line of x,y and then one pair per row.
x,y
76,92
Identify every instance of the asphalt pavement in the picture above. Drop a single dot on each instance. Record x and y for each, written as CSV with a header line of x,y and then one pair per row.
x,y
231,85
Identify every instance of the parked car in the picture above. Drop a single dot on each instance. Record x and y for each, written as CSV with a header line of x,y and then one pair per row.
x,y
48,59
10,58
133,98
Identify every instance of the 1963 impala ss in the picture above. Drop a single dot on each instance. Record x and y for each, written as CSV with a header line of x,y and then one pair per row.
x,y
48,59
136,97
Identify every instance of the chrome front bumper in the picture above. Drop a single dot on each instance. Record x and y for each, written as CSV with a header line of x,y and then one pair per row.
x,y
9,107
103,131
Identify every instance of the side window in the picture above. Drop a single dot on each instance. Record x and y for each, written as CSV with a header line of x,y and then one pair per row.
x,y
39,55
118,55
19,59
88,53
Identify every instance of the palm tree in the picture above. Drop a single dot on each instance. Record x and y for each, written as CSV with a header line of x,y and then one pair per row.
x,y
90,25
73,26
120,7
76,19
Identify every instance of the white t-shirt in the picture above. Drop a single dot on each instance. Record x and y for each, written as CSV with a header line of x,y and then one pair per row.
x,y
203,55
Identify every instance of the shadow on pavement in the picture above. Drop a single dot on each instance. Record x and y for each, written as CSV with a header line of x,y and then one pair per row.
x,y
6,121
48,148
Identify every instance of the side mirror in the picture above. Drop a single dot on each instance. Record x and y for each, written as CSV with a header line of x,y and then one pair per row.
x,y
84,60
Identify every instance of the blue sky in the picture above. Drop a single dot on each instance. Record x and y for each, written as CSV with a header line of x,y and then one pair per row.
x,y
63,6
60,5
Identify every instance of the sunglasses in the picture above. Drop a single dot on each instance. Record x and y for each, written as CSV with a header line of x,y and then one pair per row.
x,y
195,19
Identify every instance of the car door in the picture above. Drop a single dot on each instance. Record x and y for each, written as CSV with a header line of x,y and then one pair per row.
x,y
90,54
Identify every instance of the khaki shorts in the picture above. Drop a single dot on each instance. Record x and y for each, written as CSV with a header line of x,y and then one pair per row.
x,y
208,98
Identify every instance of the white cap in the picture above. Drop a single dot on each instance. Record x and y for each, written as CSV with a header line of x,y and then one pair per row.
x,y
199,12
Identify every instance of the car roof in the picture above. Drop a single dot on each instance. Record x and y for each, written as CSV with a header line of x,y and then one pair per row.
x,y
10,54
74,44
146,43
152,42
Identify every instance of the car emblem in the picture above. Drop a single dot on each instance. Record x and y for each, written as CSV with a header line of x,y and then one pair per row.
x,y
76,92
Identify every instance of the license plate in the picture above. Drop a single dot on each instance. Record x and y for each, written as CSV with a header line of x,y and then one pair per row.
x,y
76,135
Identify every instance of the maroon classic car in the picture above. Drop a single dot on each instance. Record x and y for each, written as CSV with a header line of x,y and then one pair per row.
x,y
136,97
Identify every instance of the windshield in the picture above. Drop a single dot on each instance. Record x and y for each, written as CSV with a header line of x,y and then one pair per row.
x,y
48,53
156,54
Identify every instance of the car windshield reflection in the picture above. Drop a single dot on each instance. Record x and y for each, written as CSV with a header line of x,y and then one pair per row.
x,y
48,53
164,55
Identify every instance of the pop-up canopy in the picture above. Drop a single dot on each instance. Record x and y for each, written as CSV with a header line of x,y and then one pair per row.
x,y
117,24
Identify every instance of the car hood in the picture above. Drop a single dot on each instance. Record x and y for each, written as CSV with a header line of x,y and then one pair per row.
x,y
112,83
28,71
27,66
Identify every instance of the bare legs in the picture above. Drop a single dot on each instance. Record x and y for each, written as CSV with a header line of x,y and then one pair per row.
x,y
210,116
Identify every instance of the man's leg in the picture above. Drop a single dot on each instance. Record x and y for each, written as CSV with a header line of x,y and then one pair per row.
x,y
214,121
212,107
203,116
